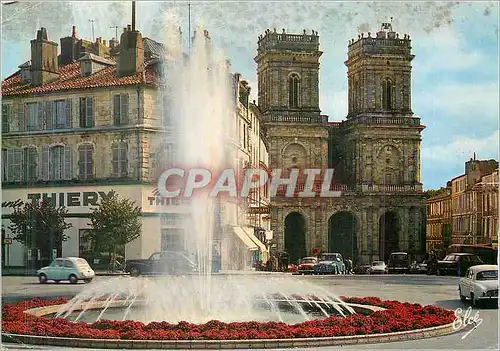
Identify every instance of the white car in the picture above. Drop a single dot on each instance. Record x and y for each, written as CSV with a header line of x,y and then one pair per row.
x,y
377,267
480,284
67,268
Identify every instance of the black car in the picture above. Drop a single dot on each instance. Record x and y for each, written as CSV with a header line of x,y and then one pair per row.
x,y
457,264
165,262
399,262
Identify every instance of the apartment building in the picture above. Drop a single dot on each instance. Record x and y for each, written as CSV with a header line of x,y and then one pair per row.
x,y
473,215
89,120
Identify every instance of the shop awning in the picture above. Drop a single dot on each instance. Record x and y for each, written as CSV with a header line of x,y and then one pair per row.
x,y
242,234
251,235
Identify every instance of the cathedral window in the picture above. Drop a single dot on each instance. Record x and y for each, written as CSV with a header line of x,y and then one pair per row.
x,y
387,94
293,91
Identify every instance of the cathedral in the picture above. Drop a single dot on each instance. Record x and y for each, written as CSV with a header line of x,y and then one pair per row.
x,y
375,151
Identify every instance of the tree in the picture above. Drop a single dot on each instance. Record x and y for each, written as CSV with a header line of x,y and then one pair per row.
x,y
40,225
434,192
115,223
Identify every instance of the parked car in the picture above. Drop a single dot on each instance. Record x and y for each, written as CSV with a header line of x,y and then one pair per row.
x,y
330,263
67,268
377,267
418,268
292,268
457,264
306,265
165,262
362,269
480,284
399,262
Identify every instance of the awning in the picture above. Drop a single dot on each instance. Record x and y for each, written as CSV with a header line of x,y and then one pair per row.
x,y
251,235
245,238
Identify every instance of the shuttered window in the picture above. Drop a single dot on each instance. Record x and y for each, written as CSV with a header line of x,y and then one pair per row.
x,y
34,116
86,161
120,109
119,160
30,164
6,118
59,162
62,114
87,112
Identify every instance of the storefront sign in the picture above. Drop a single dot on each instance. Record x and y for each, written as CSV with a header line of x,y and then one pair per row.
x,y
7,241
72,199
259,210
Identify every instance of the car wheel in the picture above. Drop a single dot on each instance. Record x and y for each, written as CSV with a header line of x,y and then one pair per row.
x,y
73,279
42,278
57,281
87,280
135,272
462,297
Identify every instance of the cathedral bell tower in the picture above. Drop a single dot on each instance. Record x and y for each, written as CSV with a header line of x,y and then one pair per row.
x,y
382,135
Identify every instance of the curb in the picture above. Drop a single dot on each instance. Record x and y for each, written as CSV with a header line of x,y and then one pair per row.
x,y
230,344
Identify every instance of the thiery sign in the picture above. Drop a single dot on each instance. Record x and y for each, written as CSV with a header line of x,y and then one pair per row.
x,y
68,199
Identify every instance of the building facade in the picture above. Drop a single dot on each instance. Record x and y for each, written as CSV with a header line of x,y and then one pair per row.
x,y
91,119
467,213
375,152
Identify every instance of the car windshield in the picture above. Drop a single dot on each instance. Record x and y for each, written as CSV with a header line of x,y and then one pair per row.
x,y
378,263
451,258
308,260
331,257
487,275
399,256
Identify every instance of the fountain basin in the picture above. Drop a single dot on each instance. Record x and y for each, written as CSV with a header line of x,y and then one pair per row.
x,y
388,321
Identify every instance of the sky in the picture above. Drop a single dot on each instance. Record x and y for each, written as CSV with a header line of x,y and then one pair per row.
x,y
455,85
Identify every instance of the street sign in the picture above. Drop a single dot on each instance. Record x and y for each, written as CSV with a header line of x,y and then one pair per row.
x,y
7,241
259,210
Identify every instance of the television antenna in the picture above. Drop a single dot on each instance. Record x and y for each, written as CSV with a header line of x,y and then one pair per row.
x,y
116,31
92,28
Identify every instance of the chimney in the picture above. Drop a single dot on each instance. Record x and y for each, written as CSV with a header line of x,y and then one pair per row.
x,y
69,50
44,64
131,56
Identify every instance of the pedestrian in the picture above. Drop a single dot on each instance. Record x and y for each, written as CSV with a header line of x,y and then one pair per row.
x,y
349,265
285,258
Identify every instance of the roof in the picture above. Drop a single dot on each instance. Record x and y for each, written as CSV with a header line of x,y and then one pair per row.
x,y
71,79
484,267
153,49
441,196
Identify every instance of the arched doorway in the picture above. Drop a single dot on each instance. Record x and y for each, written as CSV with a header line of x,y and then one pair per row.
x,y
342,234
295,236
389,226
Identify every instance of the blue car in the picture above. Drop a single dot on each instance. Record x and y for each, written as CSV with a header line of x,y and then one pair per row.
x,y
330,263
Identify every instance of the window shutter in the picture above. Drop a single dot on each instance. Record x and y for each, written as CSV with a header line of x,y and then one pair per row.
x,y
45,169
22,117
116,109
10,165
49,115
69,116
124,109
31,164
68,166
39,116
82,113
114,159
18,164
89,117
5,118
81,162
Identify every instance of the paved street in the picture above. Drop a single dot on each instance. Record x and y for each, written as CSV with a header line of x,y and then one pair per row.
x,y
423,289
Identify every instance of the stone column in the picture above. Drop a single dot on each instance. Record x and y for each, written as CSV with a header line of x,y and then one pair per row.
x,y
376,233
369,233
404,228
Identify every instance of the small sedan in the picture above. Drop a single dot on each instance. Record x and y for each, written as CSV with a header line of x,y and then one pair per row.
x,y
72,269
480,284
377,267
306,265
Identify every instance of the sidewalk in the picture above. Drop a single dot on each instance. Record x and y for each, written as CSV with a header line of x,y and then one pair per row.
x,y
23,272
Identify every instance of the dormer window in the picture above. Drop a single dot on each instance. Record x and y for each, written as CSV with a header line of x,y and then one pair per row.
x,y
86,68
90,64
26,72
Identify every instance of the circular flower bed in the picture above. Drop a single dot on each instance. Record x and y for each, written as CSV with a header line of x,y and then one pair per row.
x,y
396,317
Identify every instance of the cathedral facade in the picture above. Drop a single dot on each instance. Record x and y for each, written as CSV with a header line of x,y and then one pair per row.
x,y
375,151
